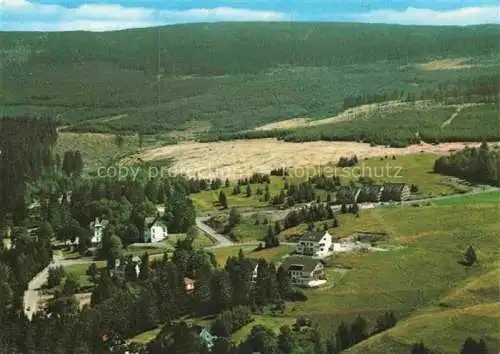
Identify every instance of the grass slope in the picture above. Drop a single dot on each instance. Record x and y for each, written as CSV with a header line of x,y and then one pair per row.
x,y
419,278
412,169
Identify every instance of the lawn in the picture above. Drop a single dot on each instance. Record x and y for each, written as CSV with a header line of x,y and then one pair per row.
x,y
268,321
442,332
271,254
145,337
411,169
404,222
490,197
423,273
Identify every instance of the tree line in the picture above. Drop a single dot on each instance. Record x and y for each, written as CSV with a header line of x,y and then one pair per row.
x,y
479,165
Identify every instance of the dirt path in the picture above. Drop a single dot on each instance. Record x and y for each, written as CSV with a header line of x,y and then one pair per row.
x,y
455,114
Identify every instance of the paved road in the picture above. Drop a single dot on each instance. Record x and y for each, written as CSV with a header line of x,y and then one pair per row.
x,y
221,240
32,295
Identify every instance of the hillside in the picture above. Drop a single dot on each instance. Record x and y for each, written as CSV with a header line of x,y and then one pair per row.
x,y
229,77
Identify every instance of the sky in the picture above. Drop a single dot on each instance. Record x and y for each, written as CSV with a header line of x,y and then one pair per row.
x,y
69,15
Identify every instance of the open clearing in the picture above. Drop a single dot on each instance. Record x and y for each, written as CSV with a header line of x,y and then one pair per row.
x,y
240,158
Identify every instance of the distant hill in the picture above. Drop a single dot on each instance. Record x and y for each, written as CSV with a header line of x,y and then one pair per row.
x,y
233,75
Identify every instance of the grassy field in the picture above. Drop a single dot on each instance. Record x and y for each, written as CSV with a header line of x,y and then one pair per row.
x,y
492,197
413,168
268,321
442,332
80,272
145,337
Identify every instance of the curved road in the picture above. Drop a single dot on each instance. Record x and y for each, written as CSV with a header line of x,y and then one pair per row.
x,y
32,295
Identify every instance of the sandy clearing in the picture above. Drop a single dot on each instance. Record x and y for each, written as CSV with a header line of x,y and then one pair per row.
x,y
446,64
240,158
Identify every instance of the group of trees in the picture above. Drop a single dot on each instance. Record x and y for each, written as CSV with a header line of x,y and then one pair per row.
x,y
72,163
281,172
291,194
479,165
315,212
326,183
347,161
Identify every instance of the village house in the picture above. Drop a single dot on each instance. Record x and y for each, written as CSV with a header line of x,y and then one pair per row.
x,y
189,284
396,192
304,271
316,244
155,230
97,228
348,194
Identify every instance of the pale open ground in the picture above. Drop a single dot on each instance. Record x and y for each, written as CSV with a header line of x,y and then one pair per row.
x,y
240,158
446,64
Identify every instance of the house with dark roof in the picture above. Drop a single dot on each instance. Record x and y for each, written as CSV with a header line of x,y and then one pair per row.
x,y
316,244
304,271
370,193
347,194
395,192
155,230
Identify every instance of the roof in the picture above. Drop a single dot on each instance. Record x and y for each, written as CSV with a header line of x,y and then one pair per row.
x,y
371,188
313,236
188,281
151,220
97,221
306,264
395,186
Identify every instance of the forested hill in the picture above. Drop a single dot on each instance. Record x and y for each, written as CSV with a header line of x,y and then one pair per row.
x,y
233,48
231,77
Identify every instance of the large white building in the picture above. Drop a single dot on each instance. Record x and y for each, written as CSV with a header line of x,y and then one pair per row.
x,y
316,244
155,230
304,271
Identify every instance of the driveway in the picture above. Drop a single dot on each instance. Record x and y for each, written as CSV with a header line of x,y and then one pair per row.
x,y
32,294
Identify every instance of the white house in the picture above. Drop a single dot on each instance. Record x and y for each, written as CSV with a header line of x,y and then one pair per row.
x,y
97,228
155,230
317,244
255,265
304,271
189,284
